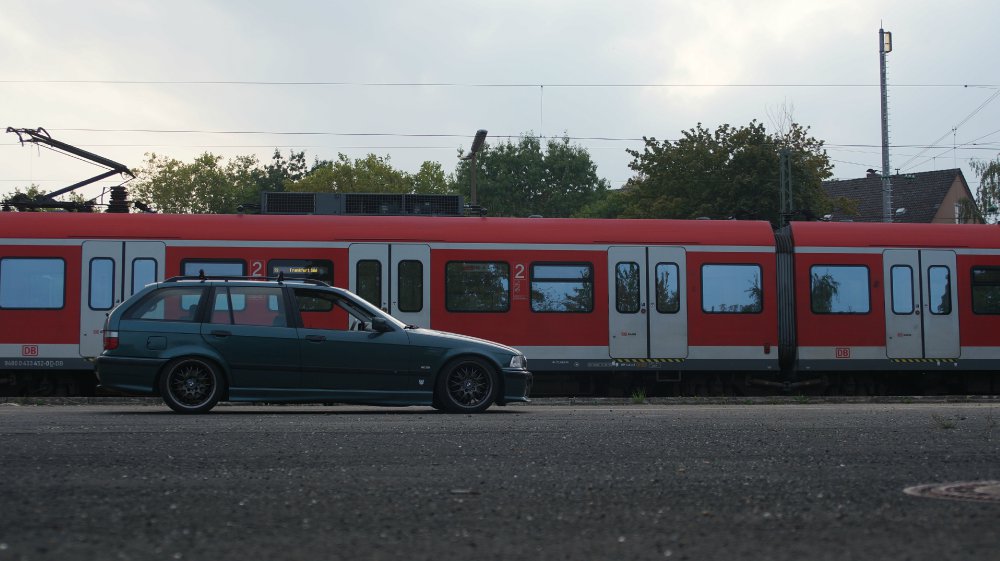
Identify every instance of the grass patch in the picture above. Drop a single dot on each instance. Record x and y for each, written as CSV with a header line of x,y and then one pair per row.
x,y
943,422
639,396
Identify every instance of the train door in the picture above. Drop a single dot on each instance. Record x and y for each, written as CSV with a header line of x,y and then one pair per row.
x,y
394,277
647,314
921,305
111,272
667,309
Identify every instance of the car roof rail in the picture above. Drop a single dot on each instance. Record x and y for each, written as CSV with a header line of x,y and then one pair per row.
x,y
202,277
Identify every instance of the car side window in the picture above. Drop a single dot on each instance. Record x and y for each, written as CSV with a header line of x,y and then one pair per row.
x,y
325,310
249,305
168,304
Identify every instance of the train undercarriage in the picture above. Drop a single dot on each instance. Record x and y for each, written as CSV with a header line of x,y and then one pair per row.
x,y
628,384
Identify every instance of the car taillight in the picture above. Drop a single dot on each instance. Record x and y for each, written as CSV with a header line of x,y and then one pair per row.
x,y
110,340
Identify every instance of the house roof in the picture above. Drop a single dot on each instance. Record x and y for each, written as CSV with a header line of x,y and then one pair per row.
x,y
919,193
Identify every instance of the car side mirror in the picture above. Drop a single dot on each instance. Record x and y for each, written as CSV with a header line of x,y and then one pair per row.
x,y
380,325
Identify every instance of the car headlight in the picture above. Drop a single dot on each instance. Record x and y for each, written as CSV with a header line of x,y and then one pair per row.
x,y
519,362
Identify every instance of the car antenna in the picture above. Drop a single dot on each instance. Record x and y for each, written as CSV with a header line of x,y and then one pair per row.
x,y
281,277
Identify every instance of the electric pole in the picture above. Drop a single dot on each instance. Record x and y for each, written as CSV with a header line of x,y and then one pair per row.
x,y
885,46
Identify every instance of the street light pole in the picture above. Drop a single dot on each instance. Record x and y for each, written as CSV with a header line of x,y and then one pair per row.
x,y
477,145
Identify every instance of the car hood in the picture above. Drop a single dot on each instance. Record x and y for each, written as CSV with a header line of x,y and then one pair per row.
x,y
457,338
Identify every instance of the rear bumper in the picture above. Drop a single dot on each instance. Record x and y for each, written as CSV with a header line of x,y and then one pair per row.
x,y
131,375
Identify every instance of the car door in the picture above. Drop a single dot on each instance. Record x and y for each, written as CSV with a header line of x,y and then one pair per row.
x,y
343,355
249,327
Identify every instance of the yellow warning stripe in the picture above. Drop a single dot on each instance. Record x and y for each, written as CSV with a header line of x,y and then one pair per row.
x,y
919,360
646,360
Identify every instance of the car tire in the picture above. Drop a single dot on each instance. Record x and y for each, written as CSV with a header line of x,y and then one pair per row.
x,y
191,385
467,385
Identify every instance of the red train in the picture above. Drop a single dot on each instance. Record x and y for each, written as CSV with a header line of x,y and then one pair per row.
x,y
598,306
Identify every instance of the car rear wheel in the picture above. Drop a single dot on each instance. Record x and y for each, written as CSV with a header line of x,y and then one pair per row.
x,y
191,385
467,385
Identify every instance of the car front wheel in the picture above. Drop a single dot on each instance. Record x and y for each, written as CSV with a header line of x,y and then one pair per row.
x,y
467,385
191,385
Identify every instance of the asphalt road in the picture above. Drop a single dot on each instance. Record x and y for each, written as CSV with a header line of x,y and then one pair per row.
x,y
796,482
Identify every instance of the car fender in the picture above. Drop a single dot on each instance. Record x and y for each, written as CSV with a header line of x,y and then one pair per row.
x,y
196,352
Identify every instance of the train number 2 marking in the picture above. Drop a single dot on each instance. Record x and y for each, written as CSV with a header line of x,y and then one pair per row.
x,y
519,277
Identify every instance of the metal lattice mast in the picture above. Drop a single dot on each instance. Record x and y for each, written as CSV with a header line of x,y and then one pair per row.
x,y
885,46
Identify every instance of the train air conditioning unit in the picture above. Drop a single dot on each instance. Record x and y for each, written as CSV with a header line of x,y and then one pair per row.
x,y
368,204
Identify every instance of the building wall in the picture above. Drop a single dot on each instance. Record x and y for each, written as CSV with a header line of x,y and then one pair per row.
x,y
946,212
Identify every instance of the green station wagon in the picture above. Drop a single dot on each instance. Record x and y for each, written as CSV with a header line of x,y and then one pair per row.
x,y
196,341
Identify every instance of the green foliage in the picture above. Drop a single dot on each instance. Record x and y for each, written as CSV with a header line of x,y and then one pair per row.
x,y
280,171
34,192
729,173
371,174
205,185
520,179
988,196
209,185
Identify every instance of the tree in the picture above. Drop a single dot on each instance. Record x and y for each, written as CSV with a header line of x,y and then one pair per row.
x,y
280,171
371,174
203,186
988,197
431,180
27,198
729,173
519,179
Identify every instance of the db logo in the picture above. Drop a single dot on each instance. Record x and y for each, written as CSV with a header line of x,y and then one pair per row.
x,y
843,352
29,350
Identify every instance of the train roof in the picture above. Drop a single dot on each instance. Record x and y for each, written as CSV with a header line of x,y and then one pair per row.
x,y
384,229
877,234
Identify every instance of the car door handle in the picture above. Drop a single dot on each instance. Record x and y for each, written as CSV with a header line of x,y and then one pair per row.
x,y
220,333
315,338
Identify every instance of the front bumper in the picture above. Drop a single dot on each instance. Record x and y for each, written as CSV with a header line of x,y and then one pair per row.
x,y
517,385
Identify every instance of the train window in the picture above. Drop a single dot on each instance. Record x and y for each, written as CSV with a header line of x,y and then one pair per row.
x,y
214,267
411,285
986,290
839,289
102,284
668,296
316,269
627,287
369,278
939,290
562,287
143,273
32,283
168,304
731,289
477,286
902,289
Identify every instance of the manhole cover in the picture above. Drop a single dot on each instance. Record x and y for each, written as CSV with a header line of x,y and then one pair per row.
x,y
982,491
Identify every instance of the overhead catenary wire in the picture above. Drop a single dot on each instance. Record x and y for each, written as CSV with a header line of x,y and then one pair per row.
x,y
444,84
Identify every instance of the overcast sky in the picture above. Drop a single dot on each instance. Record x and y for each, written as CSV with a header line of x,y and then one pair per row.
x,y
415,80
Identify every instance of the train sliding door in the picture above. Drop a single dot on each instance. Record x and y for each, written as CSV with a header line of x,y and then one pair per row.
x,y
111,272
394,277
921,306
647,313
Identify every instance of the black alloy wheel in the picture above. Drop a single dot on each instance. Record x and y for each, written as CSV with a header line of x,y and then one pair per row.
x,y
467,385
191,385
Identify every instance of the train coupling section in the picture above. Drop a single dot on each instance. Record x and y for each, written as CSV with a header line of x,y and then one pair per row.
x,y
786,385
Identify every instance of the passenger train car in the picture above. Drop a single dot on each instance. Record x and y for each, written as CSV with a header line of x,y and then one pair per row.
x,y
598,306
